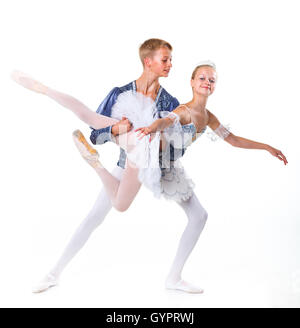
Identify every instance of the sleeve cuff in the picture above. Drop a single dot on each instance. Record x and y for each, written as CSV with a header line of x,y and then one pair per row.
x,y
101,136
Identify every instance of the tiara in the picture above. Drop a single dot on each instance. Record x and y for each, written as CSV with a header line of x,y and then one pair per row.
x,y
207,63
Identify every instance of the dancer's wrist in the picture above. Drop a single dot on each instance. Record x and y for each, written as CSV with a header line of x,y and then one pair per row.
x,y
44,90
123,126
115,130
267,147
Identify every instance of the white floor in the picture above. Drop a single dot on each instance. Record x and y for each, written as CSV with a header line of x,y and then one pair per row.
x,y
125,262
106,288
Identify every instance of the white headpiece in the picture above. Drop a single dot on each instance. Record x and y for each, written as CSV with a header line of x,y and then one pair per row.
x,y
207,63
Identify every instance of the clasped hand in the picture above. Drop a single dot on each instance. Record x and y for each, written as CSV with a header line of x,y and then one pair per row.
x,y
123,126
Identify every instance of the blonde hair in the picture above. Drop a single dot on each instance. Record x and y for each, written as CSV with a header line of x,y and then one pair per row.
x,y
150,46
201,64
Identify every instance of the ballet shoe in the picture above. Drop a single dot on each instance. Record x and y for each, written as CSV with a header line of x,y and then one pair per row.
x,y
48,282
184,286
86,150
28,83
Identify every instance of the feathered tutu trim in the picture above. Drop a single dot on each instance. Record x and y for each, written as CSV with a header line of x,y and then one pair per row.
x,y
136,107
175,184
170,182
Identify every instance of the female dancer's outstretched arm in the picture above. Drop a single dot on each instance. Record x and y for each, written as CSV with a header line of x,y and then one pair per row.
x,y
217,127
240,142
163,123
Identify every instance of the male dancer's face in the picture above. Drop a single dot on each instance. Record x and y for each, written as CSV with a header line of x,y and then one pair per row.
x,y
161,62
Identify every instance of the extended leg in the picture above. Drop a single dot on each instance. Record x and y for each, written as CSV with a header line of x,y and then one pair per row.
x,y
92,221
88,116
197,217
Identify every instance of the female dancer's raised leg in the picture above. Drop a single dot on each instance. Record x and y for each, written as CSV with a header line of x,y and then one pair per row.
x,y
121,193
93,119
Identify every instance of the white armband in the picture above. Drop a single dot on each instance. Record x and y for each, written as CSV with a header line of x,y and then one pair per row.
x,y
173,116
221,132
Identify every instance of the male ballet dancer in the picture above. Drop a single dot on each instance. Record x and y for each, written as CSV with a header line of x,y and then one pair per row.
x,y
155,55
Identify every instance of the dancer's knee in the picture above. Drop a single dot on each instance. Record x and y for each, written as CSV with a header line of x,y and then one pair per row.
x,y
121,206
200,219
204,215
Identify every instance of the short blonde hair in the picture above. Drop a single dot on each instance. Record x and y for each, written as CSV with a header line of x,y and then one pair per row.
x,y
150,46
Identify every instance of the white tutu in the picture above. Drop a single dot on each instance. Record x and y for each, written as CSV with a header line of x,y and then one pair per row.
x,y
140,110
169,180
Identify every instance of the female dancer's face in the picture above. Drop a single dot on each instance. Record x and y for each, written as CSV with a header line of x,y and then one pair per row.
x,y
204,81
161,62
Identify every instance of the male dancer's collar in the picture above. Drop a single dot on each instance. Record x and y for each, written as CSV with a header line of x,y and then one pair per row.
x,y
134,87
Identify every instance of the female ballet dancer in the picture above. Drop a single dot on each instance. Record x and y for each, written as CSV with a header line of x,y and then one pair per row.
x,y
195,118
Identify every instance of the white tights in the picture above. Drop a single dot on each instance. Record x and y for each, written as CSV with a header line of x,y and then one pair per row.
x,y
196,215
121,195
95,217
121,192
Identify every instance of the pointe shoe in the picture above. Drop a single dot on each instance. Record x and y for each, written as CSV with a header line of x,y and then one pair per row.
x,y
184,287
48,282
86,150
28,83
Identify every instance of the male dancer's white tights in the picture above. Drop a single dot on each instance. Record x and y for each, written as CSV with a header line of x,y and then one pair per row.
x,y
95,217
196,215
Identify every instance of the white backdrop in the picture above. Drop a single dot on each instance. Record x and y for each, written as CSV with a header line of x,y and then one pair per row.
x,y
248,254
